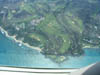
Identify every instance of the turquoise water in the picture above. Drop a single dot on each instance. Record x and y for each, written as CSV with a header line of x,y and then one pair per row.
x,y
11,54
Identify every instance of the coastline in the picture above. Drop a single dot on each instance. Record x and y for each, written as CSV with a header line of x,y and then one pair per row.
x,y
90,47
19,41
26,44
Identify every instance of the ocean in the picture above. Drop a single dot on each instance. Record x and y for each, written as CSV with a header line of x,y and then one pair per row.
x,y
11,54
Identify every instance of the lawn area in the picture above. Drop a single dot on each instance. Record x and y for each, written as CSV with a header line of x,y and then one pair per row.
x,y
51,27
74,22
65,45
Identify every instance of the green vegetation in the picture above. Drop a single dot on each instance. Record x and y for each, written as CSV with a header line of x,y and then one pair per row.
x,y
59,27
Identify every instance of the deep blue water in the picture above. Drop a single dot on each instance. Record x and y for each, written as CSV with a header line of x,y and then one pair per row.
x,y
13,55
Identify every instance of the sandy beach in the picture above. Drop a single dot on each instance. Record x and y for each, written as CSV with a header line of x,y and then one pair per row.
x,y
19,41
90,47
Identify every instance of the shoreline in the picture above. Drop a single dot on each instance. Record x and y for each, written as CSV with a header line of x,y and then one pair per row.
x,y
19,41
26,44
90,47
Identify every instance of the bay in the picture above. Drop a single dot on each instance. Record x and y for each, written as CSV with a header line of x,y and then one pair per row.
x,y
11,54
